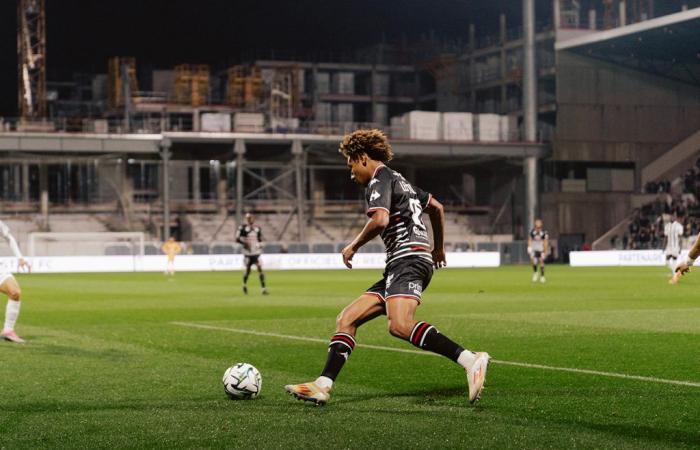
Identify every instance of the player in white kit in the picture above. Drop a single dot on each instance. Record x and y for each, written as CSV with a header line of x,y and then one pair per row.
x,y
673,233
10,287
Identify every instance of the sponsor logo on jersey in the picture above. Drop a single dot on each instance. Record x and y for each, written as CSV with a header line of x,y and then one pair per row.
x,y
375,195
406,187
416,288
420,233
373,181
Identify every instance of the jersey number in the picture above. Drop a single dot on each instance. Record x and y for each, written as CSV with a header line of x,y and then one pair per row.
x,y
416,212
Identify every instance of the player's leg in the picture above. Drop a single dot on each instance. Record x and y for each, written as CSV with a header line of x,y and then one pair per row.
x,y
671,262
365,308
261,275
10,287
534,259
402,324
542,279
246,273
171,266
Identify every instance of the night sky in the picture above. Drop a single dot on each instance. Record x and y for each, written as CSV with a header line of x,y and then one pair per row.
x,y
83,34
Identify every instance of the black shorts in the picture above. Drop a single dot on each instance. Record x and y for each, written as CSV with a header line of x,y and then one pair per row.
x,y
537,255
671,256
407,277
251,259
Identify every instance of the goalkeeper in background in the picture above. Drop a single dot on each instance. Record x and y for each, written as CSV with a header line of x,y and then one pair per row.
x,y
10,287
172,249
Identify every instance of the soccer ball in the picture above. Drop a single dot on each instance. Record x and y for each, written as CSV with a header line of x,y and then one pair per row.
x,y
242,381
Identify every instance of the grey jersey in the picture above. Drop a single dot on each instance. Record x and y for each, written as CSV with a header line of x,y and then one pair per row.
x,y
251,238
406,234
538,237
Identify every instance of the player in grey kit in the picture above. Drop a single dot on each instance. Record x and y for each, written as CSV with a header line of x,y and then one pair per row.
x,y
250,237
395,208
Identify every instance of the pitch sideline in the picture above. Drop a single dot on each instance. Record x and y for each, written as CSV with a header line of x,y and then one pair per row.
x,y
417,352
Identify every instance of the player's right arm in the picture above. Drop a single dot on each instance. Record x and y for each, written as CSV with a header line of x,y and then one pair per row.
x,y
12,242
374,226
239,237
693,254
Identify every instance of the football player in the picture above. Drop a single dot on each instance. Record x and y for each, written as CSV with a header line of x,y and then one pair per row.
x,y
10,287
538,249
250,237
394,210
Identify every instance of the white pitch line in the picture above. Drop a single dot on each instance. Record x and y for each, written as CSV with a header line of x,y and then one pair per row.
x,y
418,352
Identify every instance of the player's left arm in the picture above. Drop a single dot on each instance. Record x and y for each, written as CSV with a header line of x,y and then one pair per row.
x,y
436,212
374,226
546,245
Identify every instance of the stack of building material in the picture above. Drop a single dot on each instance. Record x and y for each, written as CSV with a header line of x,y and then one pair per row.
x,y
344,83
487,127
457,126
423,125
249,122
284,124
509,128
215,122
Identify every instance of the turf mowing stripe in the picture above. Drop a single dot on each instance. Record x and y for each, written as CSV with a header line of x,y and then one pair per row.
x,y
417,352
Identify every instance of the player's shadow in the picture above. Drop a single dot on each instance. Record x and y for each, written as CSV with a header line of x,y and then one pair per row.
x,y
436,396
658,436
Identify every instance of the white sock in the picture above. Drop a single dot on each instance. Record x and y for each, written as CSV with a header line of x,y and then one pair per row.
x,y
466,359
672,265
11,315
324,382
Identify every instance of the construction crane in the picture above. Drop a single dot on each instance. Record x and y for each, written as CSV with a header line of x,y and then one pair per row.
x,y
31,56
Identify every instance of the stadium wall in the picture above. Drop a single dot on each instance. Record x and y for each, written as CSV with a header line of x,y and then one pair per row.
x,y
608,114
612,258
205,263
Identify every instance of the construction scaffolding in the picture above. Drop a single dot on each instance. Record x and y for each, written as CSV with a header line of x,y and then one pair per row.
x,y
285,92
192,84
244,87
121,68
31,56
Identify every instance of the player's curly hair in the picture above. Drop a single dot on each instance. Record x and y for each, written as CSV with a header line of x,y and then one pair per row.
x,y
373,143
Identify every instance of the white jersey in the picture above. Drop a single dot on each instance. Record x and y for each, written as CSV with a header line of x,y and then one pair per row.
x,y
673,232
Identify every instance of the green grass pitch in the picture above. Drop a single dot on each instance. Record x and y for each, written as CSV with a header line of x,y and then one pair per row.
x,y
106,367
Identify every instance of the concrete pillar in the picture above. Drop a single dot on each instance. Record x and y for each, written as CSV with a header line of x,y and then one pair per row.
x,y
556,14
25,182
531,191
503,35
44,193
592,19
239,151
196,191
529,109
298,154
472,69
623,13
165,155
